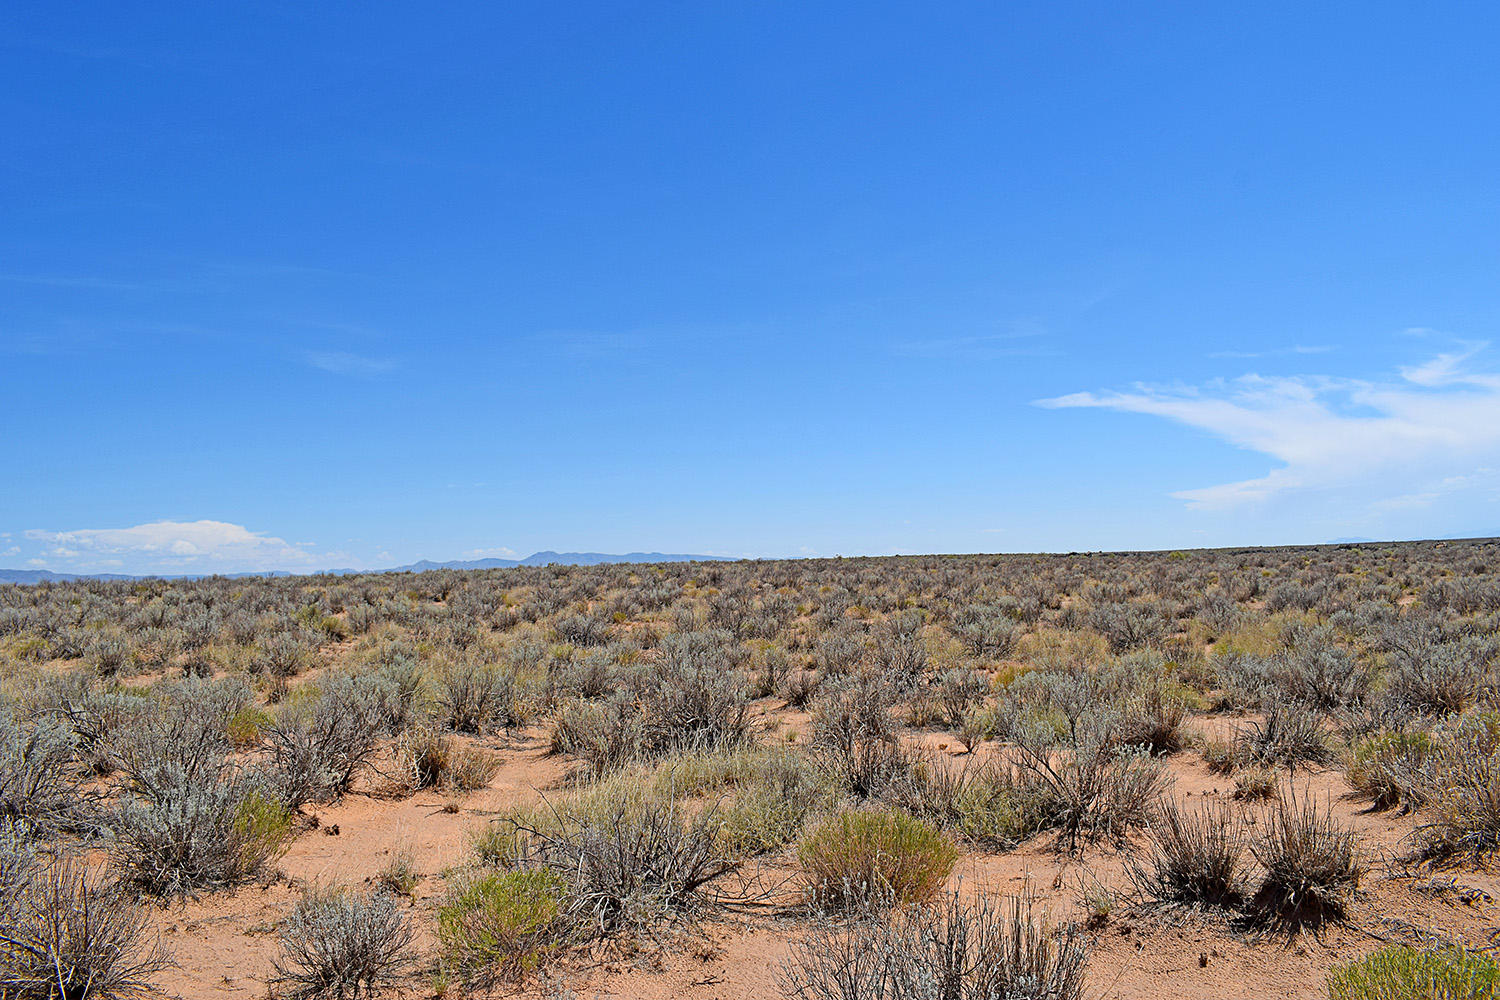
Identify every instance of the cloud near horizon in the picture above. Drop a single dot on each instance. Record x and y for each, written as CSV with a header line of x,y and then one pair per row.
x,y
168,547
1431,431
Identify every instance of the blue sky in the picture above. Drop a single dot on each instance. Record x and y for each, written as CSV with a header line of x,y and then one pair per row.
x,y
352,285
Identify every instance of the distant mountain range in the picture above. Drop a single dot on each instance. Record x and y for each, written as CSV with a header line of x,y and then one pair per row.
x,y
29,576
561,558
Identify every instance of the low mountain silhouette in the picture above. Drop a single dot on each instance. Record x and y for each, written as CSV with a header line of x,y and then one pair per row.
x,y
561,558
34,576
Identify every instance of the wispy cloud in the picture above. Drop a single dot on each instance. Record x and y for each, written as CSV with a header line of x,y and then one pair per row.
x,y
1430,427
168,546
345,363
1026,340
72,281
1275,351
592,345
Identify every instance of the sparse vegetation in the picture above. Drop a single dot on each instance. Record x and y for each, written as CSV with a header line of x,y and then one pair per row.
x,y
835,732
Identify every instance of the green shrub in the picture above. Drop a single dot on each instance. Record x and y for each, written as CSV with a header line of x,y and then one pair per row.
x,y
863,857
1398,972
502,924
262,826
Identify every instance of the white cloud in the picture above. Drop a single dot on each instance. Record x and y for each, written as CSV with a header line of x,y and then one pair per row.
x,y
1407,441
171,546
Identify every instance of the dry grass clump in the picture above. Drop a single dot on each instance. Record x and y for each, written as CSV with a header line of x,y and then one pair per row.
x,y
765,795
1311,864
1394,769
427,759
1192,858
399,877
1290,735
988,947
1454,770
1255,783
989,802
1095,790
66,932
865,857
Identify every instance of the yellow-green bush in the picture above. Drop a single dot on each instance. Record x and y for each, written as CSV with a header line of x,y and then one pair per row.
x,y
860,857
262,827
502,924
1390,768
1398,972
245,726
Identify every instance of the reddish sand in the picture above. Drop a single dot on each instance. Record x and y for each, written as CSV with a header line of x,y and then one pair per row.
x,y
224,944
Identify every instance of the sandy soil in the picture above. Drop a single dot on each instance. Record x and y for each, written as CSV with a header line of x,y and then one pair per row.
x,y
224,944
